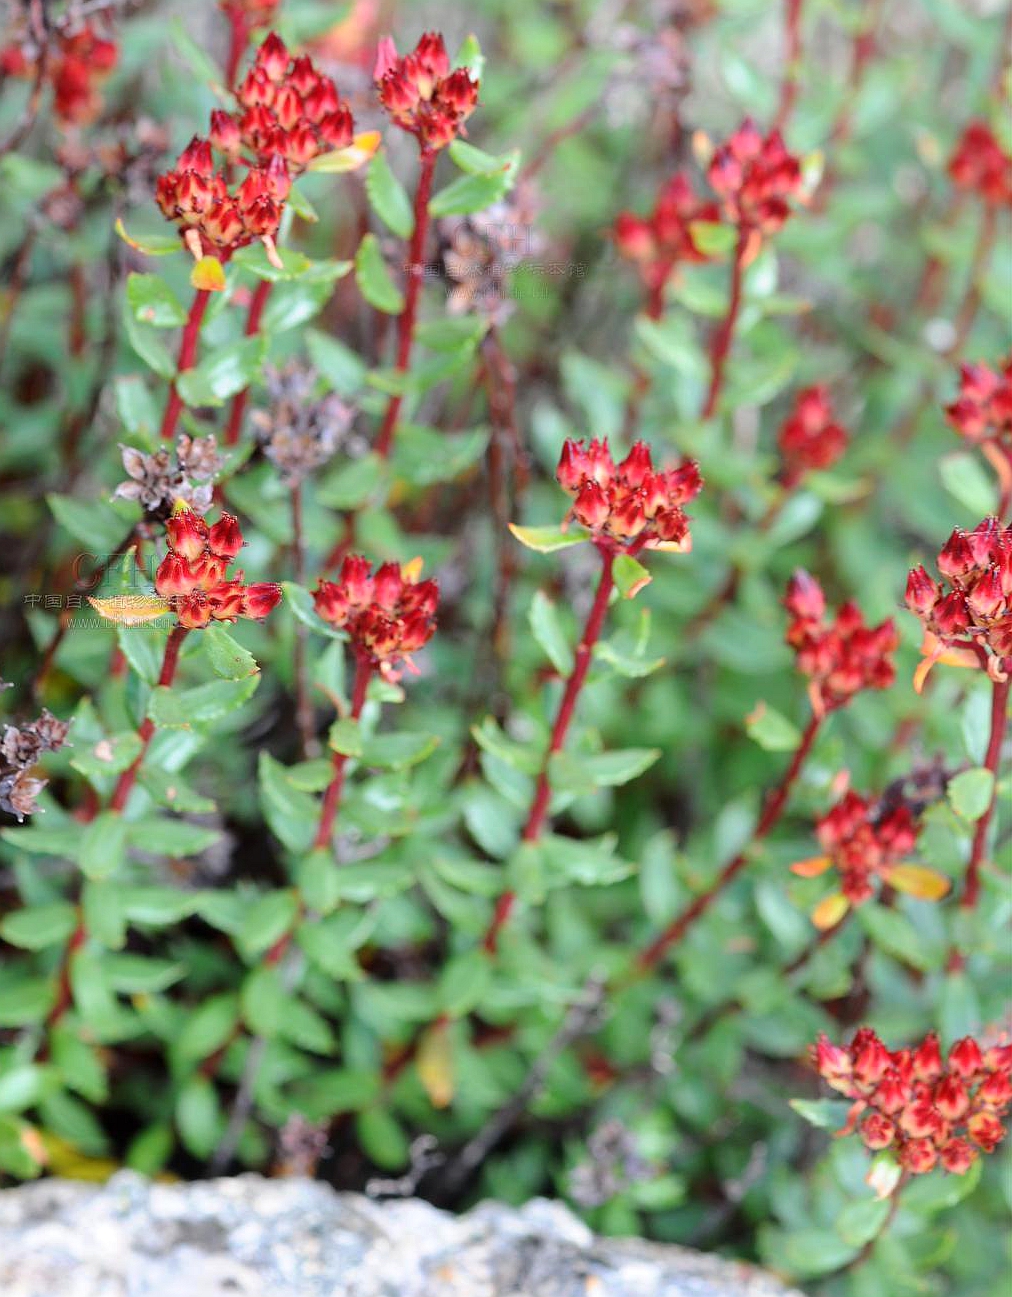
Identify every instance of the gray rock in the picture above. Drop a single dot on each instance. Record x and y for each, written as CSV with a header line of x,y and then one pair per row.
x,y
251,1237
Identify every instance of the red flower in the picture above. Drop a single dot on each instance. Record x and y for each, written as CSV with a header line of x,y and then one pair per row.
x,y
755,177
388,615
979,163
841,657
289,110
863,841
925,1111
79,61
810,438
628,507
192,575
967,617
982,411
211,219
660,241
421,94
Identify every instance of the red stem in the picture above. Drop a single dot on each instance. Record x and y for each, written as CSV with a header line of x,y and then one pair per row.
x,y
303,705
567,706
238,39
239,402
721,343
187,355
792,62
332,797
416,273
992,760
167,674
772,811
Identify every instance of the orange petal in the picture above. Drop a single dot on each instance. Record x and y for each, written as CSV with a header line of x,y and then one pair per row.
x,y
811,867
208,275
916,880
130,609
829,911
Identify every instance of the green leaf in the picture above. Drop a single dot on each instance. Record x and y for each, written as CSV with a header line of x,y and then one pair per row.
x,y
138,975
473,193
968,482
206,1028
546,540
153,242
293,304
772,730
897,936
227,656
383,1138
107,756
103,845
351,485
144,648
146,342
806,1253
157,907
825,1114
317,878
426,455
95,523
186,708
387,195
254,259
22,1086
199,1117
464,982
343,370
165,835
398,751
168,789
549,634
264,1000
469,56
345,736
630,576
970,793
39,926
291,814
331,942
300,601
224,372
583,773
195,56
136,407
521,756
712,237
267,920
374,281
153,302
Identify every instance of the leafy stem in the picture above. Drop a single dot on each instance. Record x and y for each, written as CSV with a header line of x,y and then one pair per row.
x,y
720,344
187,356
332,797
166,676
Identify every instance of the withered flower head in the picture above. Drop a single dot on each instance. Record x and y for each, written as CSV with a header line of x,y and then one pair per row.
x,y
301,431
20,748
157,481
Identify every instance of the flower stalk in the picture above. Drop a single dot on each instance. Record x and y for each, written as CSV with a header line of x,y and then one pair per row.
x,y
992,762
720,345
187,357
128,778
241,399
332,797
774,808
408,316
543,790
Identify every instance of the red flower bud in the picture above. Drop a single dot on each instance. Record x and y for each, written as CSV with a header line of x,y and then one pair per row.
x,y
918,1156
174,577
260,598
927,1058
877,1131
804,598
965,1057
921,592
187,533
225,538
958,1155
985,1130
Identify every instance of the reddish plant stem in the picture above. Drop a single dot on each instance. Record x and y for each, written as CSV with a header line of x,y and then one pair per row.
x,y
416,273
862,53
166,676
187,355
500,383
992,761
775,803
563,718
792,62
64,988
303,705
720,345
967,312
241,399
238,39
332,797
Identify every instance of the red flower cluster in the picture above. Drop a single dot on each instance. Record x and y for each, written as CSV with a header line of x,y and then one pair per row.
x,y
628,506
755,177
983,410
810,438
213,220
388,614
926,1110
841,657
289,109
658,242
967,616
192,575
420,92
863,841
980,164
80,60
